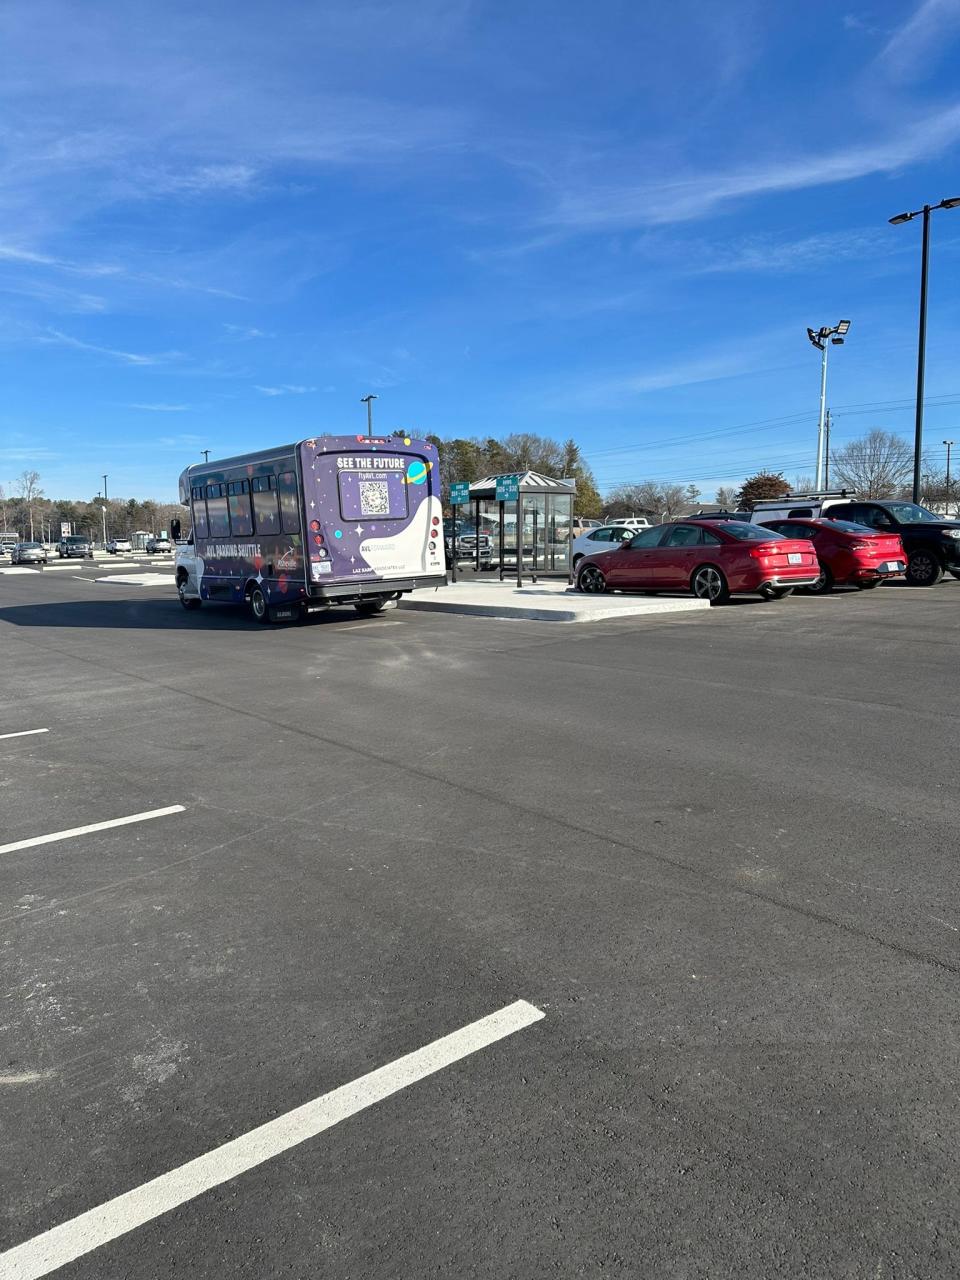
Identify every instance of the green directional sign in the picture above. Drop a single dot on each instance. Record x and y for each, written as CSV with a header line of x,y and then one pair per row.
x,y
459,493
508,488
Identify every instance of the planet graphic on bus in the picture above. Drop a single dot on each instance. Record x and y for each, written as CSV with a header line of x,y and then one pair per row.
x,y
417,473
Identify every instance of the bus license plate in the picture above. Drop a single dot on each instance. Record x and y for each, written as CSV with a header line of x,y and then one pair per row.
x,y
794,557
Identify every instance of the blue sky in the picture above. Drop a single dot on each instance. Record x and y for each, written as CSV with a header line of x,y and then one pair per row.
x,y
221,225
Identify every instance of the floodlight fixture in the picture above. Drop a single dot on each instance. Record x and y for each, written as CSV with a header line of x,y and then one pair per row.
x,y
837,342
842,327
901,217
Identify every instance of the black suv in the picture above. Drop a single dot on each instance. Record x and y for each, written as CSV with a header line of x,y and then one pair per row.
x,y
932,543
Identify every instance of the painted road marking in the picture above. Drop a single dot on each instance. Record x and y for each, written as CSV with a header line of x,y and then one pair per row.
x,y
136,579
23,733
60,1245
82,831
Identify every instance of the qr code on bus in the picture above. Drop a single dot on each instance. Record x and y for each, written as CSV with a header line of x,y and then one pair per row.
x,y
374,498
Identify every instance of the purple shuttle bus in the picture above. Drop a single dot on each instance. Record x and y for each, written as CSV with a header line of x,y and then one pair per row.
x,y
331,520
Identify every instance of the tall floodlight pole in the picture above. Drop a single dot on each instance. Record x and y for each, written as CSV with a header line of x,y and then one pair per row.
x,y
368,401
949,444
822,339
105,498
927,209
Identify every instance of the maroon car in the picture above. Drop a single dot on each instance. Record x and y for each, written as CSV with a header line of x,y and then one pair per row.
x,y
849,554
712,558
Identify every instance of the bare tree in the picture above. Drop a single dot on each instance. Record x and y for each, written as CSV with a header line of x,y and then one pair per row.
x,y
726,497
674,498
875,466
28,485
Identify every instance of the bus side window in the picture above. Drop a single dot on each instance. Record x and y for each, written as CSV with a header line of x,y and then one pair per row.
x,y
219,521
289,502
238,500
199,512
265,504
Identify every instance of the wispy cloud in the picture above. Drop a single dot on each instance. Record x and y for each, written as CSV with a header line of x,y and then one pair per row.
x,y
160,408
285,389
915,48
126,357
765,253
244,332
606,206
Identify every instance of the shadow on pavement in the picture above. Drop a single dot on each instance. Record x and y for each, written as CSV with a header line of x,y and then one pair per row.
x,y
153,615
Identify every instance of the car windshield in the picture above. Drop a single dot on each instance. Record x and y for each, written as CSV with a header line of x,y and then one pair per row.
x,y
910,513
75,539
29,546
749,532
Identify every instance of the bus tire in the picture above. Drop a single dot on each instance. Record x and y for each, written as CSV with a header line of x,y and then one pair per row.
x,y
259,606
368,608
188,602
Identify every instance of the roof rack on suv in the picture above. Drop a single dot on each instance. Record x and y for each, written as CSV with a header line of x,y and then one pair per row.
x,y
814,495
717,515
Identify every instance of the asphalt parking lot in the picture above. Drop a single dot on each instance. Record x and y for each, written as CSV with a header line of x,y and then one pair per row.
x,y
716,851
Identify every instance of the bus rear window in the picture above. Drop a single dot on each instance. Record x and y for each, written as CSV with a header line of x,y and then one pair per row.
x,y
373,495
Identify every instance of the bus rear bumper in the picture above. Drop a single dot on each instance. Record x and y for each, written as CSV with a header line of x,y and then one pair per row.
x,y
354,592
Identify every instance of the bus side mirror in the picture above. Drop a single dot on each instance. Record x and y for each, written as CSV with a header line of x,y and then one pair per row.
x,y
175,529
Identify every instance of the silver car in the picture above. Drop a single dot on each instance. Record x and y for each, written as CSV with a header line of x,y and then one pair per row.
x,y
28,553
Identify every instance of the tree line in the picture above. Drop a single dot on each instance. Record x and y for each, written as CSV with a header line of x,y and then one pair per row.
x,y
25,510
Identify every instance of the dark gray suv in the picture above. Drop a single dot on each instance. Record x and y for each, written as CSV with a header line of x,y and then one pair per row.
x,y
75,547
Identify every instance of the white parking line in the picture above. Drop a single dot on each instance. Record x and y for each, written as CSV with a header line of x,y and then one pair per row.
x,y
60,1245
82,831
23,733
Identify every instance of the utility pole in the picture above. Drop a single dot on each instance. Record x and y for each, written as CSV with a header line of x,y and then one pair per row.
x,y
949,444
368,401
952,203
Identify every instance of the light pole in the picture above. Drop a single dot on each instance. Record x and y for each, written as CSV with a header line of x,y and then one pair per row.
x,y
949,444
822,339
206,454
105,498
922,336
368,401
103,513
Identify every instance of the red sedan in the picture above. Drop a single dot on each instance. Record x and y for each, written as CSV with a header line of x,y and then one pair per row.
x,y
711,558
849,554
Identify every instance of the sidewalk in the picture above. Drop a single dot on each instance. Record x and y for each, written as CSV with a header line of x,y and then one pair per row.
x,y
542,602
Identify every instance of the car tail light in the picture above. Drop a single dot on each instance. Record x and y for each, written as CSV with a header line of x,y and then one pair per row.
x,y
862,546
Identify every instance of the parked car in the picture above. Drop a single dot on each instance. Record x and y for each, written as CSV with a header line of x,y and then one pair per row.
x,y
849,554
631,522
596,541
712,558
119,544
75,546
467,539
156,544
582,524
28,553
8,543
931,543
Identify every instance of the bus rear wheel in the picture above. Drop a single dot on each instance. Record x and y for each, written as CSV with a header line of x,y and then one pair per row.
x,y
368,608
258,605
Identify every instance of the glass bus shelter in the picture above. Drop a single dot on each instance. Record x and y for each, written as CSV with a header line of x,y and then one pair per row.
x,y
539,520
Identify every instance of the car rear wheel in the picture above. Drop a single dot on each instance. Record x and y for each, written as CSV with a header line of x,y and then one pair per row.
x,y
869,584
777,593
259,606
823,585
708,583
592,581
955,573
923,569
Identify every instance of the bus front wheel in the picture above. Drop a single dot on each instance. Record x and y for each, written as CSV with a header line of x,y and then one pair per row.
x,y
258,605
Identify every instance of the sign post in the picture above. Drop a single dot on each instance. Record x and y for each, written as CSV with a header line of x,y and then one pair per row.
x,y
508,490
459,496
